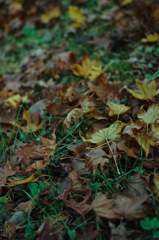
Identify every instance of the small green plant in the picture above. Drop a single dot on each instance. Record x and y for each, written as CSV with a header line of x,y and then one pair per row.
x,y
151,224
30,233
3,203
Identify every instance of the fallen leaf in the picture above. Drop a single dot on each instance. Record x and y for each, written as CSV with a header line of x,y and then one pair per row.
x,y
21,181
75,114
151,38
125,2
78,184
104,207
50,14
6,171
76,15
87,69
144,91
145,142
116,108
33,122
119,208
16,100
81,207
111,133
97,157
149,116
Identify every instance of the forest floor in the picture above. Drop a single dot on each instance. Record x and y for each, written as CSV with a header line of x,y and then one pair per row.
x,y
79,119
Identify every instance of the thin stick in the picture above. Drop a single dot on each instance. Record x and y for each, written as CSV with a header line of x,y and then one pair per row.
x,y
113,157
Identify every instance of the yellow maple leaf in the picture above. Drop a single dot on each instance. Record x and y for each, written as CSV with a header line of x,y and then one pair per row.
x,y
111,133
116,108
145,142
150,116
47,16
15,101
125,2
76,15
151,38
87,69
145,92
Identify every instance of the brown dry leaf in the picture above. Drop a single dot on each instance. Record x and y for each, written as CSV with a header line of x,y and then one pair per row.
x,y
129,208
136,186
36,156
150,116
116,108
104,89
133,127
87,105
80,207
75,114
33,122
111,133
144,91
25,206
104,207
87,68
119,208
145,142
78,184
97,157
128,150
50,14
6,171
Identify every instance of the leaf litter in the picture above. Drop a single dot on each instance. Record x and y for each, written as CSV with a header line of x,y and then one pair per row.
x,y
78,152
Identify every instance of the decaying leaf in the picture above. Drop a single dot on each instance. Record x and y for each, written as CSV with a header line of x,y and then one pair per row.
x,y
111,133
116,108
151,38
145,142
87,68
21,180
33,122
76,15
149,116
97,157
50,14
144,91
16,100
119,208
75,114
